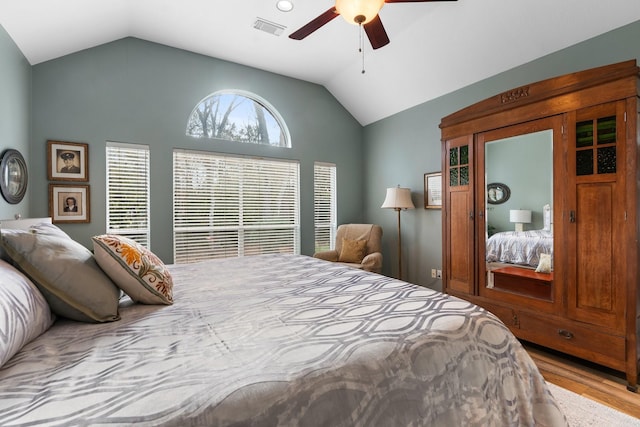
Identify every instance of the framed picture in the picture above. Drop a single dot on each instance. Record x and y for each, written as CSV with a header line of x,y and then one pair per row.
x,y
67,161
433,190
69,203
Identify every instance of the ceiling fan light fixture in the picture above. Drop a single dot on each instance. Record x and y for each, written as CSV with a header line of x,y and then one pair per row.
x,y
359,12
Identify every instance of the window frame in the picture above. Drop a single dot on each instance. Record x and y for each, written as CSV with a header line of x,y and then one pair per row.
x,y
144,203
284,130
329,169
219,228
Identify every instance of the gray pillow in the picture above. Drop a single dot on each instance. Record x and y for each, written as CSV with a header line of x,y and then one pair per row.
x,y
40,227
65,272
49,229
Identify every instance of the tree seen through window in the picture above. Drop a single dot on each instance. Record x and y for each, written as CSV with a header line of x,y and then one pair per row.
x,y
240,117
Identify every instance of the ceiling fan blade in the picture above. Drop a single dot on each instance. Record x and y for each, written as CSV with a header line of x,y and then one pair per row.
x,y
314,24
376,33
413,1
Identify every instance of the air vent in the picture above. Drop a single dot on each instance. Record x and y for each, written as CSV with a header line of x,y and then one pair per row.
x,y
268,27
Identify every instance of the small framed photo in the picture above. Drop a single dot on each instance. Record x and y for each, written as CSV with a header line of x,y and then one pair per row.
x,y
67,161
69,203
433,190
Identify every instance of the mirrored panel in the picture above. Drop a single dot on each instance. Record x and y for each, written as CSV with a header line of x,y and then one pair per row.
x,y
519,229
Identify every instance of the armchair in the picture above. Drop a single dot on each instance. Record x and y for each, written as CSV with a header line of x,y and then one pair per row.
x,y
357,245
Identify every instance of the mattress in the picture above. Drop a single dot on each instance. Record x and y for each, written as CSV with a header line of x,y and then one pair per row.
x,y
280,340
519,247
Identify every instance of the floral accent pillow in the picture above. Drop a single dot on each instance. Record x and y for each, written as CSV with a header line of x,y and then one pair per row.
x,y
135,269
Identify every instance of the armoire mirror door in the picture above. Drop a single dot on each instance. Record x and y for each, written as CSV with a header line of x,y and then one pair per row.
x,y
521,157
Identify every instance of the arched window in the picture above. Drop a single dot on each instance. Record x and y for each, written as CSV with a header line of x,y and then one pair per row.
x,y
238,116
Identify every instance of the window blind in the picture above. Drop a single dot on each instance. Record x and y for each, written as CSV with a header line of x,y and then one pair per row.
x,y
324,206
227,206
128,191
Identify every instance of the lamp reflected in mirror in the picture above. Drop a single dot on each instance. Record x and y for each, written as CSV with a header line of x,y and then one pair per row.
x,y
520,217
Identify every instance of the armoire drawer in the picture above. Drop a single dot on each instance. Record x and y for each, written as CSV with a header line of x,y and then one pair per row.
x,y
564,335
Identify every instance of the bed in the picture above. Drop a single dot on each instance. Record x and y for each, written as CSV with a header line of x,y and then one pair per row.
x,y
522,247
519,247
268,340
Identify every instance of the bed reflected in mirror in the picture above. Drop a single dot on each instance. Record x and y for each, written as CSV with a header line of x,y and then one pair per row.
x,y
524,163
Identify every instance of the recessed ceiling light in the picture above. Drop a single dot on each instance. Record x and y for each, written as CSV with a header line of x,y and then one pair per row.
x,y
284,5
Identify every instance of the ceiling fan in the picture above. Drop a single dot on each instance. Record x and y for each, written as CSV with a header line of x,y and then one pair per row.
x,y
358,12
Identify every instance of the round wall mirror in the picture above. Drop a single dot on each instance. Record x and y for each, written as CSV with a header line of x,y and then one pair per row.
x,y
13,176
497,193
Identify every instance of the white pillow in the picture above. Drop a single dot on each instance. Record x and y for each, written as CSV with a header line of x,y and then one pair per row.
x,y
544,265
24,313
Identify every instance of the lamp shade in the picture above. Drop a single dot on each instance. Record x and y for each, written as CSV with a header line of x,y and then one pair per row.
x,y
359,11
522,216
398,198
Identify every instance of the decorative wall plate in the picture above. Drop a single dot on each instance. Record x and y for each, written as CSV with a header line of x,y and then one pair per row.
x,y
13,176
497,193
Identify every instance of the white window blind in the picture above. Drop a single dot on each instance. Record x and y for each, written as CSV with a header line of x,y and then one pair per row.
x,y
324,205
227,206
128,191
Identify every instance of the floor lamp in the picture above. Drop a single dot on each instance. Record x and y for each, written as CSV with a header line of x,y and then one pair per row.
x,y
398,199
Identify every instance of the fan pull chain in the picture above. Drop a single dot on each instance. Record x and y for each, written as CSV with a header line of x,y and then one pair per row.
x,y
361,45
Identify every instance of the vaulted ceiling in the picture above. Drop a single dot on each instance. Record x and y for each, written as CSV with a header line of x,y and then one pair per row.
x,y
435,48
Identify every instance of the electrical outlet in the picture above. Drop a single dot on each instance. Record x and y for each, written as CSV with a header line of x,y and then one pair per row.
x,y
433,273
438,274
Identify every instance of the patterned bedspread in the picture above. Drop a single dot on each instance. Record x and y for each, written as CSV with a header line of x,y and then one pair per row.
x,y
520,247
280,340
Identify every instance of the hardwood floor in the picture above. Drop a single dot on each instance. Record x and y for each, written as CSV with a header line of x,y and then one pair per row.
x,y
589,380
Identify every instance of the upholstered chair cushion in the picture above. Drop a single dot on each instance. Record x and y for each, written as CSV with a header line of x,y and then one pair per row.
x,y
352,250
370,233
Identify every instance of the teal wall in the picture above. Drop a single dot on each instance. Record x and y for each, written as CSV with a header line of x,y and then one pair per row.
x,y
140,92
401,148
135,91
15,95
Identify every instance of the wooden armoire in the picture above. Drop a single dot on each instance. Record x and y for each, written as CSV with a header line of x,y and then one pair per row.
x,y
587,303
